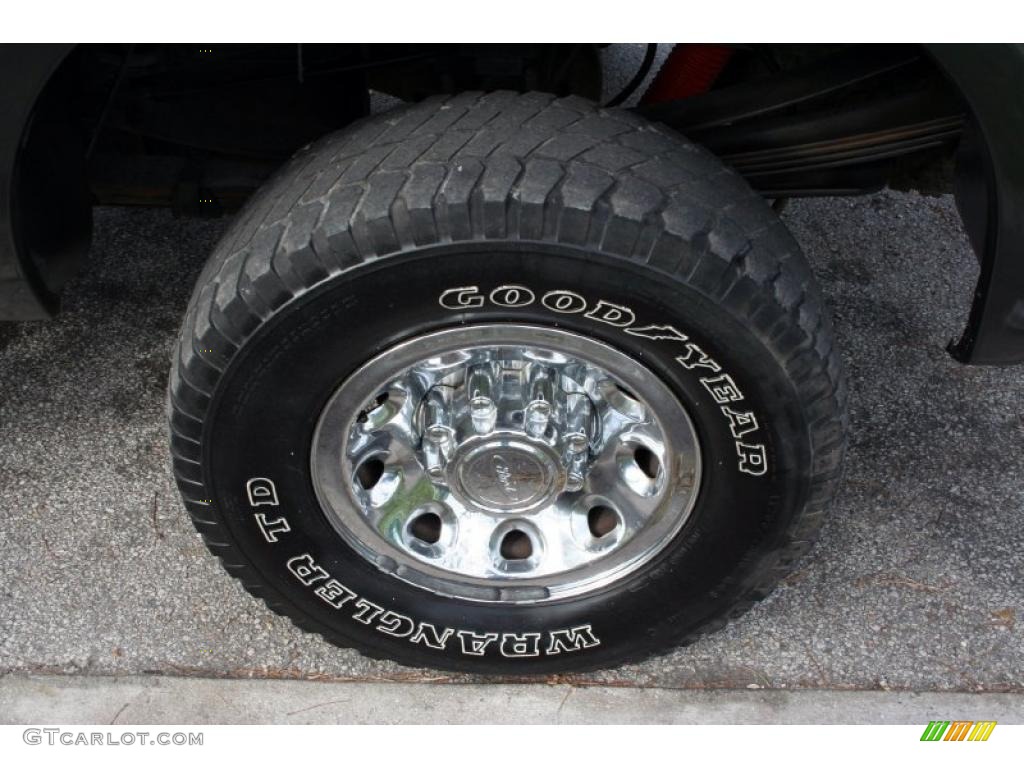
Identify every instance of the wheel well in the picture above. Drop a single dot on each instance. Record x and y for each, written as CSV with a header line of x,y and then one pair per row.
x,y
197,127
51,203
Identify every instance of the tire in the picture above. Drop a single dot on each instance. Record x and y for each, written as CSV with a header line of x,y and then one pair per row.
x,y
491,212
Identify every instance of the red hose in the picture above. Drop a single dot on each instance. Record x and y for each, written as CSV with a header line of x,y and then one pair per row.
x,y
690,68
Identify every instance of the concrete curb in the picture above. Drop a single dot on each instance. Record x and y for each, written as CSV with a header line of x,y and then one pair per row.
x,y
169,700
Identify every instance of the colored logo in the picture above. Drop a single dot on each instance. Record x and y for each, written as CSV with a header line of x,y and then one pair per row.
x,y
958,730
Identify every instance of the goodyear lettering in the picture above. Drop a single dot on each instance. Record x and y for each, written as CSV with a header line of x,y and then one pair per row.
x,y
752,455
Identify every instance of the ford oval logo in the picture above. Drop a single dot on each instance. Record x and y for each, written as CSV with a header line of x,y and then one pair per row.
x,y
503,473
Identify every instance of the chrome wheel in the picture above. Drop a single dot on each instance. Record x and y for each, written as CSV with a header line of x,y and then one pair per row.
x,y
505,463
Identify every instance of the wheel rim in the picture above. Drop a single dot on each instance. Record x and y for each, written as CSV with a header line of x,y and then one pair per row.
x,y
506,463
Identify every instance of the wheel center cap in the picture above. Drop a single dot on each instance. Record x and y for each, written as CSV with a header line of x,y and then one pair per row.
x,y
506,476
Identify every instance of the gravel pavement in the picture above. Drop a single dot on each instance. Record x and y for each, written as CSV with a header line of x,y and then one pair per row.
x,y
915,585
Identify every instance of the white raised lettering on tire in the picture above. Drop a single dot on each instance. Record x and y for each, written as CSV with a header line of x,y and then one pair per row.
x,y
261,491
461,298
511,645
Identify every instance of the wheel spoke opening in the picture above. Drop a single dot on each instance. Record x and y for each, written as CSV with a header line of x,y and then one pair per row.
x,y
426,527
602,520
378,401
647,461
516,545
370,472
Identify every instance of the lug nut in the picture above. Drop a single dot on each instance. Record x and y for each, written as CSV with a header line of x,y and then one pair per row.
x,y
480,381
434,461
576,442
541,387
438,435
436,471
579,415
484,413
538,414
577,469
573,482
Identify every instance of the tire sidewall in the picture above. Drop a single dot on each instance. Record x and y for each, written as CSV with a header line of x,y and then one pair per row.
x,y
267,403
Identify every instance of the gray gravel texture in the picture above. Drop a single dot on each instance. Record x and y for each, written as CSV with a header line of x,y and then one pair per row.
x,y
915,584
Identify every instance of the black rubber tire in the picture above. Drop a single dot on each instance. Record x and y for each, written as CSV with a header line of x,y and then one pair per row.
x,y
347,251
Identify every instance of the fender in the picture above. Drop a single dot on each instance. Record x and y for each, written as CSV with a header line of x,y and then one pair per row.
x,y
990,196
24,294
